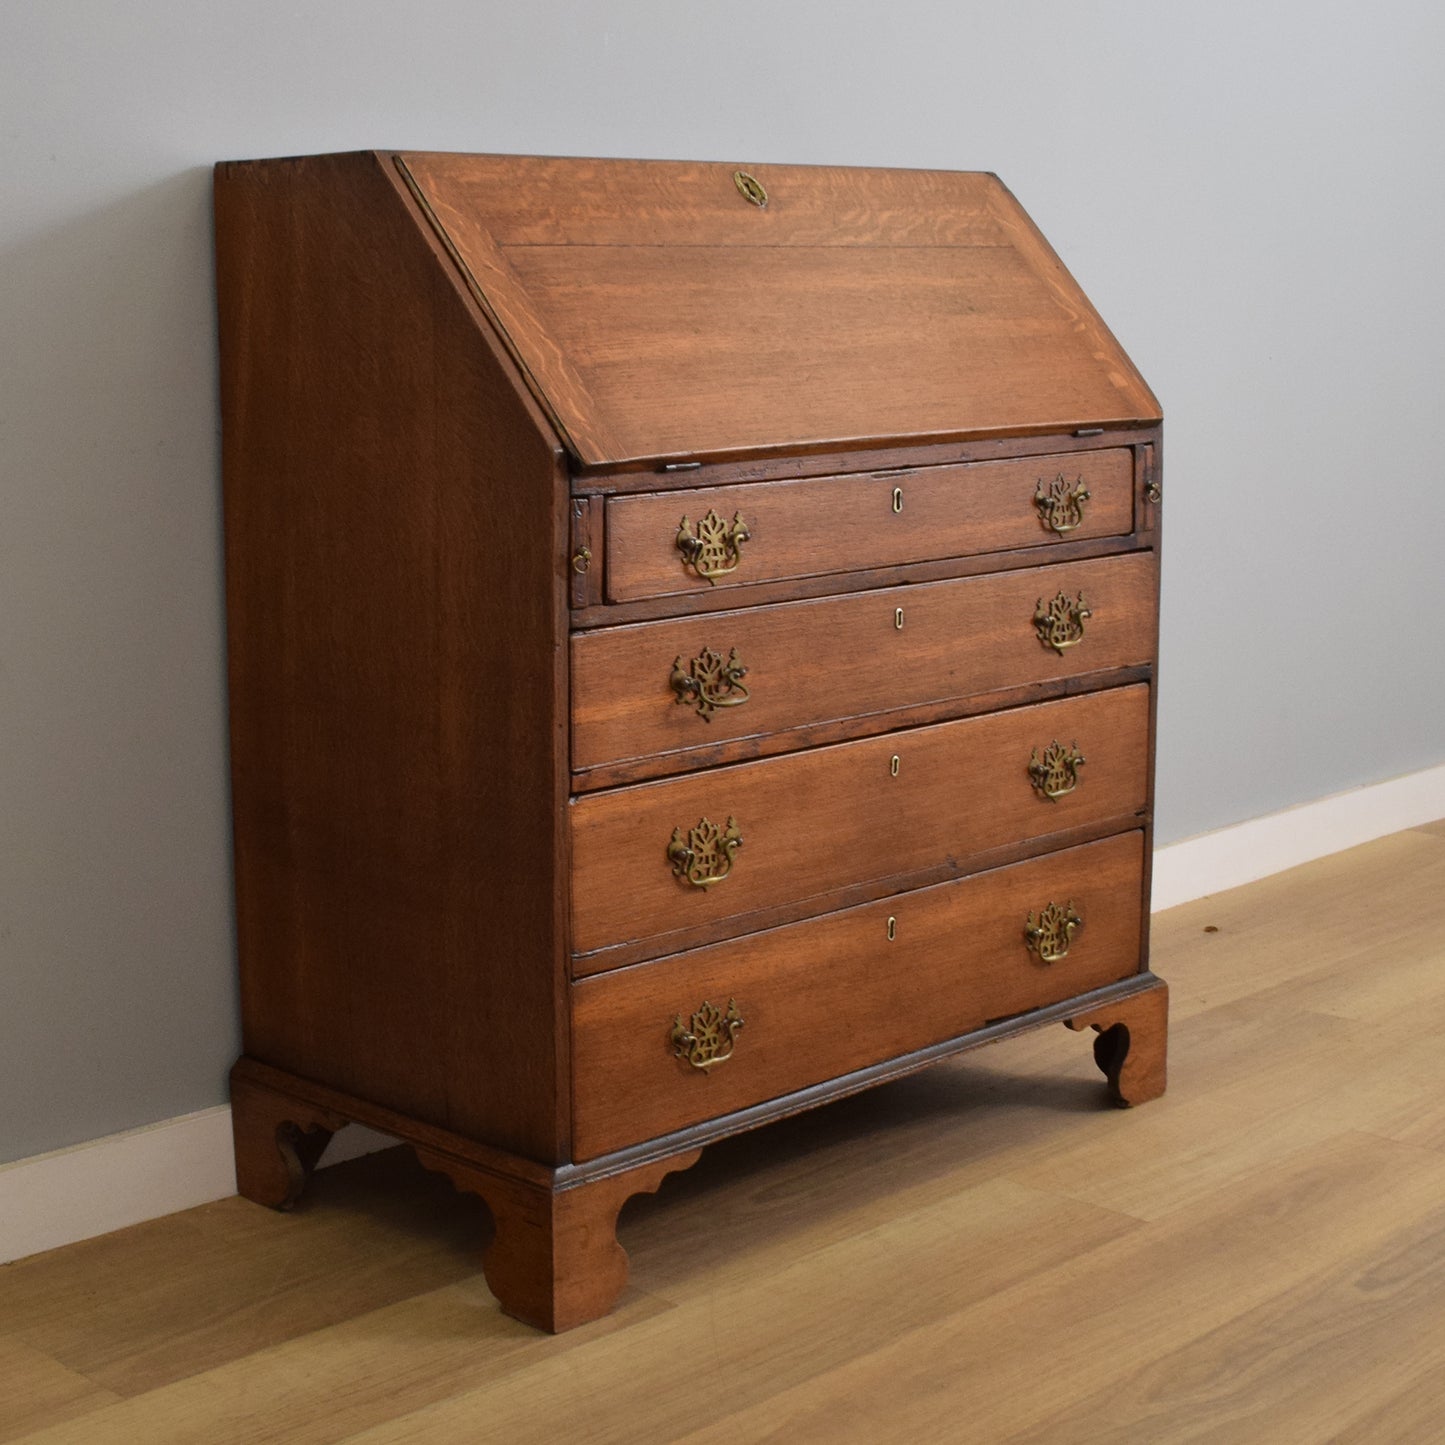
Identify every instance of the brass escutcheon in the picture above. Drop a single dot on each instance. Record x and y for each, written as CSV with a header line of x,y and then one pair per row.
x,y
750,188
1061,508
897,499
1060,624
706,1040
1055,772
705,855
709,682
1050,934
716,548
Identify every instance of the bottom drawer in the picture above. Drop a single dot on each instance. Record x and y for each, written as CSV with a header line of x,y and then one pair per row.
x,y
823,997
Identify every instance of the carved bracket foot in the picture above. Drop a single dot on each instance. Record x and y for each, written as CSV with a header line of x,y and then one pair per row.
x,y
554,1261
278,1141
1132,1044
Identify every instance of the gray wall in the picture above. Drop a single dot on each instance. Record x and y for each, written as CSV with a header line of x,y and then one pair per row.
x,y
1250,192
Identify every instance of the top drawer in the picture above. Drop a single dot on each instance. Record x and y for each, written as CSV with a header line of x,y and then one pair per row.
x,y
677,542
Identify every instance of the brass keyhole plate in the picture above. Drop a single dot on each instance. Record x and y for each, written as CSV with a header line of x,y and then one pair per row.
x,y
750,188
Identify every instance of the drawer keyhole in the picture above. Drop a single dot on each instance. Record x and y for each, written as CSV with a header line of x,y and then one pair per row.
x,y
892,928
897,499
894,763
898,618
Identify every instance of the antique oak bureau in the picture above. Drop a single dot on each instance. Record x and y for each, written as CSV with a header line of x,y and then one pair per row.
x,y
692,638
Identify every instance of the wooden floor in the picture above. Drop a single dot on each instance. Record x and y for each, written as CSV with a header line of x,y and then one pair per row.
x,y
983,1253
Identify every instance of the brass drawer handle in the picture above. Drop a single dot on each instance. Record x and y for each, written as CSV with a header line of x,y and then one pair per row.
x,y
1050,934
709,682
706,1040
1061,508
1055,773
705,855
1060,623
716,548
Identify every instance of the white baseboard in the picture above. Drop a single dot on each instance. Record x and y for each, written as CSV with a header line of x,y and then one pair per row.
x,y
91,1189
1230,857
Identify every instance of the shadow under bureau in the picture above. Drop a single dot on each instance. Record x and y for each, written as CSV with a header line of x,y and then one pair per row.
x,y
692,637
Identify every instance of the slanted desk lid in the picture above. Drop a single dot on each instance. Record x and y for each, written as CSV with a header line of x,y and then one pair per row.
x,y
659,312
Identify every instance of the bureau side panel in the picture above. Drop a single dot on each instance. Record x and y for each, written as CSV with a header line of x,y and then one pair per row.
x,y
395,529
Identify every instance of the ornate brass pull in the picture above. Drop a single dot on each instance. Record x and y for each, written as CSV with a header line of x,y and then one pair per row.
x,y
716,548
1050,934
1061,508
1056,773
1060,623
706,1040
705,855
708,682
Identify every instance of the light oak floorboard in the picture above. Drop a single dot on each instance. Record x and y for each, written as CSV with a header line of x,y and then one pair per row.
x,y
985,1251
1040,1350
36,1390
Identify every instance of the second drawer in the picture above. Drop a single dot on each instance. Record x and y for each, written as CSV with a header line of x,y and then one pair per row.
x,y
662,860
657,690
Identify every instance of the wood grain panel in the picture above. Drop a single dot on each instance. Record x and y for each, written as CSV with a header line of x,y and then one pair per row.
x,y
833,994
815,822
579,201
846,524
396,524
840,657
857,307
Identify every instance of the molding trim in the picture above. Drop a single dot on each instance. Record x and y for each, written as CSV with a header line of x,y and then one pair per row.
x,y
1245,852
77,1193
89,1189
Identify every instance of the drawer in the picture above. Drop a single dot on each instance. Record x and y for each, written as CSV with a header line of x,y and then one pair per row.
x,y
816,822
821,998
687,541
664,687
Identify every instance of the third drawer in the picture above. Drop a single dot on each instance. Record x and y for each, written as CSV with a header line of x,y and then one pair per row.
x,y
918,802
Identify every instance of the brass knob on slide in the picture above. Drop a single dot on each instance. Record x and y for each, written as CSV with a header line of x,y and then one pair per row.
x,y
706,1040
704,855
1050,933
